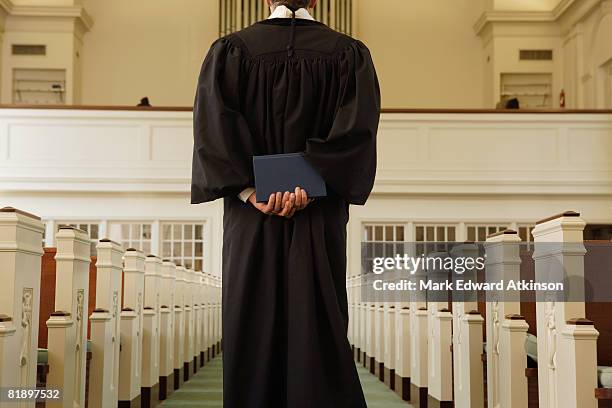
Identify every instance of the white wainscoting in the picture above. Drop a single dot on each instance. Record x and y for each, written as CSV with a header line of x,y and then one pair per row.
x,y
150,151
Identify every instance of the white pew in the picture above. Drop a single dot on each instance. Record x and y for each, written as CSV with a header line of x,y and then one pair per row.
x,y
130,358
402,351
503,263
197,306
67,327
189,324
20,259
379,341
179,327
106,327
567,343
389,339
467,338
166,333
150,333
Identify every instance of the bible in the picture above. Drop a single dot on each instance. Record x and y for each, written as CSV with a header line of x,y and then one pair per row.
x,y
284,172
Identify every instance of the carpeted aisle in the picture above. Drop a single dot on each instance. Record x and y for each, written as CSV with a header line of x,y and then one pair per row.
x,y
206,390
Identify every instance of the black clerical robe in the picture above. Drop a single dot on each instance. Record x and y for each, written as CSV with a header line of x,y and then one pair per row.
x,y
285,315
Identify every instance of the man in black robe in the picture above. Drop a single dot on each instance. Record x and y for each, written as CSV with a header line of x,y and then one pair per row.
x,y
283,85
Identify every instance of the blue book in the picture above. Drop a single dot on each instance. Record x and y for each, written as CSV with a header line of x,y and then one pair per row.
x,y
284,172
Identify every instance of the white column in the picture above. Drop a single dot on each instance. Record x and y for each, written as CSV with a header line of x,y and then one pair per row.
x,y
513,362
151,322
71,300
106,326
132,324
20,260
559,255
166,334
503,263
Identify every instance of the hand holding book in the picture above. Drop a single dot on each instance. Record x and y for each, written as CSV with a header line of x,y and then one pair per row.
x,y
282,204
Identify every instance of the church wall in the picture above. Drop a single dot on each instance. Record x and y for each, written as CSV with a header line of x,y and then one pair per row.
x,y
587,29
426,52
148,48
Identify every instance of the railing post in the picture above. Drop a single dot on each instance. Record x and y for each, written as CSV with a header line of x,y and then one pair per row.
x,y
503,263
467,337
20,259
106,327
513,362
563,380
68,331
149,388
166,333
132,326
179,327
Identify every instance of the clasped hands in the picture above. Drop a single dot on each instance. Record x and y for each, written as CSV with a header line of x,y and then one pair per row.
x,y
283,204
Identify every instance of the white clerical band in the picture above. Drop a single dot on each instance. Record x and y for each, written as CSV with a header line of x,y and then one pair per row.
x,y
246,193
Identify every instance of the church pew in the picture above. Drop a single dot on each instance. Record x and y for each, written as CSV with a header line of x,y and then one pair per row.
x,y
106,326
67,326
20,260
80,300
507,328
505,385
179,327
439,342
166,334
150,334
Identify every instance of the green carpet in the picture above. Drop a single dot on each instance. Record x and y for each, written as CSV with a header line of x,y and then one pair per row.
x,y
205,389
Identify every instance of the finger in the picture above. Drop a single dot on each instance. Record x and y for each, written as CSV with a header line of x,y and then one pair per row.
x,y
289,206
304,199
286,197
298,197
270,206
279,203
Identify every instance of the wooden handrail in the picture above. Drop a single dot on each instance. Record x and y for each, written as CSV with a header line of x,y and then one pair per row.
x,y
385,110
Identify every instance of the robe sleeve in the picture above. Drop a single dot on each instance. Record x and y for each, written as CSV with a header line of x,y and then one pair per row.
x,y
223,146
346,157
